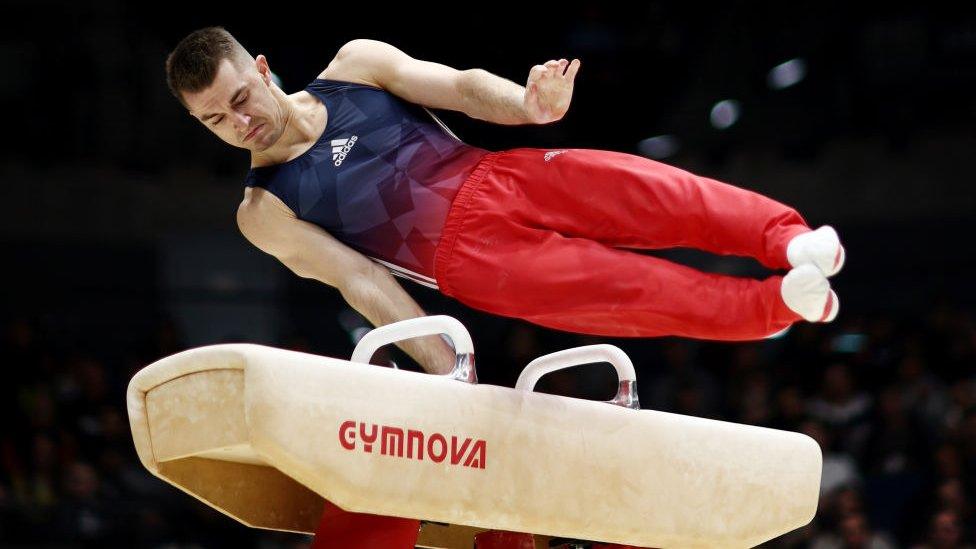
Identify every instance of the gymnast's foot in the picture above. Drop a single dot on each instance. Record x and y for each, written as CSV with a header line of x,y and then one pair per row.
x,y
807,292
821,247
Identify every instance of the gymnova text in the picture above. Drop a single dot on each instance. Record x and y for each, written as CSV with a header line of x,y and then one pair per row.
x,y
467,453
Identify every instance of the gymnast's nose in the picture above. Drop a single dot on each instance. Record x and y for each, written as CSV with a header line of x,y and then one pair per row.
x,y
243,121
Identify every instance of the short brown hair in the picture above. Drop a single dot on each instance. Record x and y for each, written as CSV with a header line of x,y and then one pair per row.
x,y
192,65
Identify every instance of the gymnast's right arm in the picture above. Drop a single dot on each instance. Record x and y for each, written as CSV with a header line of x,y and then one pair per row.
x,y
311,252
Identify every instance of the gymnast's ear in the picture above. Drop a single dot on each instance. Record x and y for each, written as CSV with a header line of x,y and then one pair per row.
x,y
261,64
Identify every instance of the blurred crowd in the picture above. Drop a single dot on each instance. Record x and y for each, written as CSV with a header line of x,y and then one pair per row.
x,y
891,401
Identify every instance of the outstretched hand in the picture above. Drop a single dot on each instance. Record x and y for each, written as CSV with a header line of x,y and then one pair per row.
x,y
549,90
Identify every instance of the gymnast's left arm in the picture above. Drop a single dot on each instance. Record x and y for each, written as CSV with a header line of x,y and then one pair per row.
x,y
476,92
544,99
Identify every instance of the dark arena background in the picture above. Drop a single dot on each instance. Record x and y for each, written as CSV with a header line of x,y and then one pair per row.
x,y
121,246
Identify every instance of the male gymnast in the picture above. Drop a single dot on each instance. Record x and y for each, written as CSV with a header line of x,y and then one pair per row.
x,y
353,180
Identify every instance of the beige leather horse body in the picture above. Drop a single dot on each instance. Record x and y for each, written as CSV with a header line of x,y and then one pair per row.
x,y
263,434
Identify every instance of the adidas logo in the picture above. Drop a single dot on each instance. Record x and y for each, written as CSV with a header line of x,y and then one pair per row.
x,y
341,147
551,154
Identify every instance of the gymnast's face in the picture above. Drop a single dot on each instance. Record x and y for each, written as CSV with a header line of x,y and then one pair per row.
x,y
240,100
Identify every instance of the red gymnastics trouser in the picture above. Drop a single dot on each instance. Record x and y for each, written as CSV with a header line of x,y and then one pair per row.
x,y
536,234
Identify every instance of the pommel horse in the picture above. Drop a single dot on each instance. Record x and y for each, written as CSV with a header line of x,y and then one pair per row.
x,y
368,456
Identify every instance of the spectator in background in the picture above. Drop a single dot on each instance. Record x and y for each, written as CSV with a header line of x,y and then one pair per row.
x,y
854,533
754,406
857,534
839,468
84,515
790,409
844,524
964,436
962,397
948,467
685,385
945,532
951,496
896,441
947,461
842,408
923,392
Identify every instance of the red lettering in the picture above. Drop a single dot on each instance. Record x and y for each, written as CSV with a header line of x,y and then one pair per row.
x,y
419,438
437,457
346,438
476,458
471,452
369,439
458,453
391,437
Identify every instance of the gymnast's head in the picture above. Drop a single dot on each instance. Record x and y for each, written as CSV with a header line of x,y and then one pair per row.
x,y
226,89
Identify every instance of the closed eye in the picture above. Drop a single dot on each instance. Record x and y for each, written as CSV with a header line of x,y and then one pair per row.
x,y
221,119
